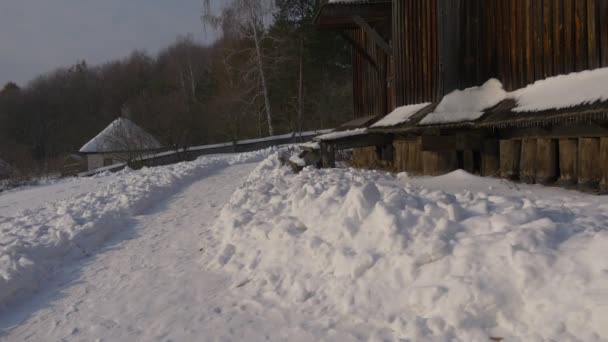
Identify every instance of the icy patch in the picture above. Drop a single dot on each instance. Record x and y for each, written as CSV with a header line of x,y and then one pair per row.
x,y
411,263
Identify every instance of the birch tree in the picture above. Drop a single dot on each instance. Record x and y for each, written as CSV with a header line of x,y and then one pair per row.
x,y
249,20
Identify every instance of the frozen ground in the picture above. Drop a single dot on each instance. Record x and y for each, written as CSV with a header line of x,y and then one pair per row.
x,y
227,250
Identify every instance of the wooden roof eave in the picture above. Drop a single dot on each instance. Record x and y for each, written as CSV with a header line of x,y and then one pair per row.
x,y
341,16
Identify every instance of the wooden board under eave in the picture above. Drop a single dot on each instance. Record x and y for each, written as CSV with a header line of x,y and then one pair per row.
x,y
439,163
547,161
588,171
568,161
510,157
604,164
490,158
527,166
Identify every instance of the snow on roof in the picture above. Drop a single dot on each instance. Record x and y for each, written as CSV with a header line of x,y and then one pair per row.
x,y
563,91
341,134
122,135
467,105
400,115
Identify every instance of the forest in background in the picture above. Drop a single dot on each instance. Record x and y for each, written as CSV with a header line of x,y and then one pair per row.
x,y
271,72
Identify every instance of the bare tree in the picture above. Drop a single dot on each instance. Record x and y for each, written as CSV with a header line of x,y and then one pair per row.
x,y
247,19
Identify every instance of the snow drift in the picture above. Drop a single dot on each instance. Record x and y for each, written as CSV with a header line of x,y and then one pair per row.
x,y
401,262
33,243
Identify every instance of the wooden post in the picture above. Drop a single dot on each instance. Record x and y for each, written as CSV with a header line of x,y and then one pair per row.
x,y
527,166
510,152
547,163
588,169
439,163
568,162
414,160
328,156
469,161
604,164
401,149
490,158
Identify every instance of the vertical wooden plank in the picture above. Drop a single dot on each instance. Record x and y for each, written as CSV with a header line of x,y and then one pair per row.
x,y
588,171
569,46
527,167
603,160
547,161
603,22
548,37
568,162
520,43
592,46
528,41
580,34
558,66
513,42
506,36
490,158
538,40
510,156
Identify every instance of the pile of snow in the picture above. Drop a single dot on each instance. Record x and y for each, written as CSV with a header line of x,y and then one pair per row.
x,y
393,261
563,91
467,105
400,115
121,135
341,134
34,242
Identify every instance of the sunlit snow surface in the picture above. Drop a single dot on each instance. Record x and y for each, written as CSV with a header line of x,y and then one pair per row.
x,y
334,255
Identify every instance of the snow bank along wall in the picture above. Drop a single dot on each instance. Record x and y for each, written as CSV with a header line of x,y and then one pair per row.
x,y
439,46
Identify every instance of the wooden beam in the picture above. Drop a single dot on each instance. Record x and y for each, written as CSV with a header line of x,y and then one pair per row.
x,y
451,143
361,50
382,44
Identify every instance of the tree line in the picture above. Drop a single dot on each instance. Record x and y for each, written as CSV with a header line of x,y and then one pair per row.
x,y
270,72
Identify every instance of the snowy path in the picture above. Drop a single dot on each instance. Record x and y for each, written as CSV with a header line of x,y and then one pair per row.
x,y
149,285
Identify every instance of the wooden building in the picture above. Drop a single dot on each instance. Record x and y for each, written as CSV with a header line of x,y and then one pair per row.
x,y
411,52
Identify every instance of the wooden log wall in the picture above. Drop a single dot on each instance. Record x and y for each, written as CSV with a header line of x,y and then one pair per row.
x,y
490,158
603,160
408,156
510,157
568,161
527,166
370,93
435,163
547,170
367,158
521,41
589,173
415,37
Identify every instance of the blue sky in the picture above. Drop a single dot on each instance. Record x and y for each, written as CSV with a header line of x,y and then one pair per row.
x,y
36,36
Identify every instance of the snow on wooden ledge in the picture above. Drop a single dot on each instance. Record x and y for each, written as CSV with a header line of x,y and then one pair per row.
x,y
466,105
400,115
563,91
341,134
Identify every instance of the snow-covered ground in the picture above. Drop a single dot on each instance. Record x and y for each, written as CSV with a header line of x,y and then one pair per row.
x,y
335,255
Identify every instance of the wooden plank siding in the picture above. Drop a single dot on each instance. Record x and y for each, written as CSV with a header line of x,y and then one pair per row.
x,y
370,86
442,45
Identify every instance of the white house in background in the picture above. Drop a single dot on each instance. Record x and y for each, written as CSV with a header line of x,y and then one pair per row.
x,y
122,141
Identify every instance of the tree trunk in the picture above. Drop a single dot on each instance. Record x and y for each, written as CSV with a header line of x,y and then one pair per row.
x,y
260,63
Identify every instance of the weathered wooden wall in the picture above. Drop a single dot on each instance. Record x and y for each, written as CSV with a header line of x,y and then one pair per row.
x,y
442,45
521,41
415,37
367,158
408,156
568,161
370,92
